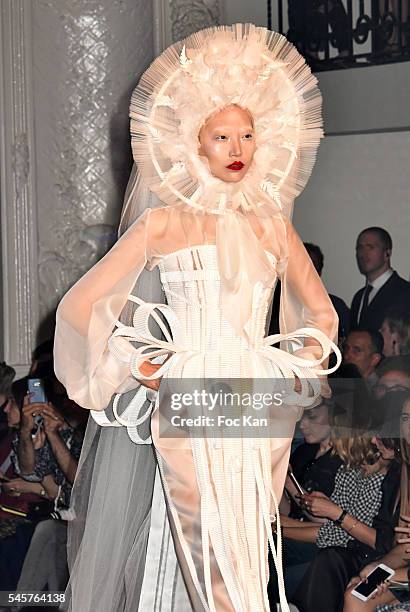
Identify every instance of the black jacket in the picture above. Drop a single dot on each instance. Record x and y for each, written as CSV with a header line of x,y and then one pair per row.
x,y
394,293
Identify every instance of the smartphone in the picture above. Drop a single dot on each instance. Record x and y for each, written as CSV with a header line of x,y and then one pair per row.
x,y
36,390
295,482
364,590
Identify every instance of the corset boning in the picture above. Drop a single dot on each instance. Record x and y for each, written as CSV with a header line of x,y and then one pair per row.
x,y
191,283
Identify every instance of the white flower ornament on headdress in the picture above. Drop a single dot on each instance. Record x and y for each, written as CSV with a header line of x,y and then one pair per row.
x,y
244,65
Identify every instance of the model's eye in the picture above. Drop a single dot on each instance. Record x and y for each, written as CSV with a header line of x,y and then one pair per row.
x,y
221,137
248,136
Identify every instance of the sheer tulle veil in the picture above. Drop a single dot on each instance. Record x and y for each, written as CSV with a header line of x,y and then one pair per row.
x,y
112,495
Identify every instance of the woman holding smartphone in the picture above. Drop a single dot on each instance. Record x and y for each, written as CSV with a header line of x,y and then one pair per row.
x,y
358,519
398,557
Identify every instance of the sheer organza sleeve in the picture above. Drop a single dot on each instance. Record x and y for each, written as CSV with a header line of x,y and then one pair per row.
x,y
304,300
86,318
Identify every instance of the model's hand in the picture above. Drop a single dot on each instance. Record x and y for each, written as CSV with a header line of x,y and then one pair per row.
x,y
319,504
148,369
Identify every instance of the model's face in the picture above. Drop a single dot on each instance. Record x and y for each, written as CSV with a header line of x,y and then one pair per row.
x,y
390,340
227,141
314,425
405,422
371,254
358,351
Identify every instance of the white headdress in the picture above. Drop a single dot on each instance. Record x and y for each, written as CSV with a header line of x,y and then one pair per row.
x,y
253,68
244,65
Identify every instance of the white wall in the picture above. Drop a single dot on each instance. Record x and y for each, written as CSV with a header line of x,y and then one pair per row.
x,y
359,180
362,174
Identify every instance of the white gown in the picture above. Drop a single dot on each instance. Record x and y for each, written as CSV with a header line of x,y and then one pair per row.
x,y
218,495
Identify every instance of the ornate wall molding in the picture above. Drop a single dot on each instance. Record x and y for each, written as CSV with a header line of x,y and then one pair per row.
x,y
176,19
18,189
65,154
88,54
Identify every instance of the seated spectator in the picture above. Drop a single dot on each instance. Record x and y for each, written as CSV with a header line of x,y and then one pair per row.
x,y
7,374
42,359
61,431
62,440
394,375
395,330
16,495
343,312
355,518
364,349
398,557
314,465
44,457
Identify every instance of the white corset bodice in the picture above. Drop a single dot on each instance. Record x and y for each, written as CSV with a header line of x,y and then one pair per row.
x,y
199,342
191,283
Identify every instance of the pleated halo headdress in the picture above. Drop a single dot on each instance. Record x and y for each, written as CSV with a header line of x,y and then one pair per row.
x,y
248,66
193,79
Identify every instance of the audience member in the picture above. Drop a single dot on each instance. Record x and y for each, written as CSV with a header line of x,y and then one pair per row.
x,y
7,374
399,556
357,519
314,465
16,495
43,451
316,255
395,330
394,375
364,349
42,359
61,433
384,287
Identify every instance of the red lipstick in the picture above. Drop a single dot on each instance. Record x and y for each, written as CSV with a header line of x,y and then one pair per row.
x,y
236,165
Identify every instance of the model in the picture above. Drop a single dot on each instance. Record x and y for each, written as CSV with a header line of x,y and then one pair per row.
x,y
225,126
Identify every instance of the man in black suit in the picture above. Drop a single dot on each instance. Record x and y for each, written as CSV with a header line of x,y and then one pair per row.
x,y
384,287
